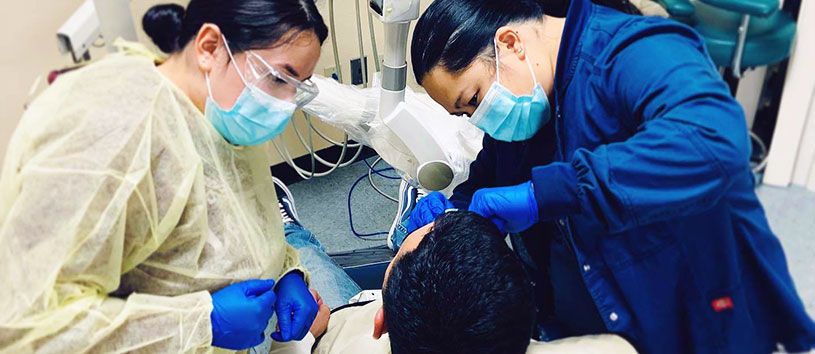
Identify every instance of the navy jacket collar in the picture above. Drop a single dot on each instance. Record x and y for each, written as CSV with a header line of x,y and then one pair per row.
x,y
570,45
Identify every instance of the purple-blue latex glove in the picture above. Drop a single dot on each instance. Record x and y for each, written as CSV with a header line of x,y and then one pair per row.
x,y
427,210
295,307
240,314
513,209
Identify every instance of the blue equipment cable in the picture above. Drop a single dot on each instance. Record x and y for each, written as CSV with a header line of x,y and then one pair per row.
x,y
350,213
379,173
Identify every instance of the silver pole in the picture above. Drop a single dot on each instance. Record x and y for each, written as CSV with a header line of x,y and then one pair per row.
x,y
739,54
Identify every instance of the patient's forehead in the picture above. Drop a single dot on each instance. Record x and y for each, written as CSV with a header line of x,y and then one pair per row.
x,y
410,244
413,240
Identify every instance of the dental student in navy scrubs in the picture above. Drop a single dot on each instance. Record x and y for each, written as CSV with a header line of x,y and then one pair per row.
x,y
619,161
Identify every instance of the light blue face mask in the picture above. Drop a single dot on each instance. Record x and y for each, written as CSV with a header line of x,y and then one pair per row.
x,y
255,118
507,117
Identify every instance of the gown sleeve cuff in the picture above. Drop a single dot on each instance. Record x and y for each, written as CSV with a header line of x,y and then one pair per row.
x,y
556,190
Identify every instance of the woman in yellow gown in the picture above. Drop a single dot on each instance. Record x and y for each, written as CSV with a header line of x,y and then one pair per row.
x,y
132,195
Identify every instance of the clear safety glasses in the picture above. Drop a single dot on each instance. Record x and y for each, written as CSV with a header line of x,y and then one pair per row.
x,y
274,82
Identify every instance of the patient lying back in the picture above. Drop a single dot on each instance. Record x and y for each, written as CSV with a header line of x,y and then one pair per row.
x,y
454,287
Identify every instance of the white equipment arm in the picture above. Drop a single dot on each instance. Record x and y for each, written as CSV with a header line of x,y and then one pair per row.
x,y
413,129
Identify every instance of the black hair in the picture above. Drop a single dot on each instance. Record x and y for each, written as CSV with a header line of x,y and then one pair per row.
x,y
453,33
246,24
462,290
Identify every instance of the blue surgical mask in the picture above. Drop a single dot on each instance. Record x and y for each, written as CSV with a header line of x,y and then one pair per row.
x,y
255,118
507,117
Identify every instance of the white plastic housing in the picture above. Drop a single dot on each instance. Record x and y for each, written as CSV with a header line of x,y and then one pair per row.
x,y
417,133
80,31
396,11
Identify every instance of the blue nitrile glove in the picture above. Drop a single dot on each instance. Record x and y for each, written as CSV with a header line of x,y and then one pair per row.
x,y
296,308
427,210
240,314
512,209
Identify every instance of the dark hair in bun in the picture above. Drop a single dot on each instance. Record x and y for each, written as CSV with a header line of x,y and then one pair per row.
x,y
163,23
246,24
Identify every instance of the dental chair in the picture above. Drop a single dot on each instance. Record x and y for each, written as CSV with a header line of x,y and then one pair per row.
x,y
739,34
365,266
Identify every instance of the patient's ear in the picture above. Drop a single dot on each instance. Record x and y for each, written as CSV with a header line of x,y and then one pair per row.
x,y
380,327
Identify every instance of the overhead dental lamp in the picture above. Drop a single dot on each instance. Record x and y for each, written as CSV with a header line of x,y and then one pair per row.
x,y
434,172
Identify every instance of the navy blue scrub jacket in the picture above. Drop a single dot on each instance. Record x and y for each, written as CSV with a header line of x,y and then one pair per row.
x,y
644,168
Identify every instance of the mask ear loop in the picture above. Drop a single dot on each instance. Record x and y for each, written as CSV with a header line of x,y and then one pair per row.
x,y
234,64
497,65
209,85
534,77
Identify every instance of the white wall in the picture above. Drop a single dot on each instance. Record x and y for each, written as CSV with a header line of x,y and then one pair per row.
x,y
749,92
804,173
28,50
792,155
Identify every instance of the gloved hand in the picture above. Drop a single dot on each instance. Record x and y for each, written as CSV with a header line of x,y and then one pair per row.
x,y
240,314
296,308
427,209
512,209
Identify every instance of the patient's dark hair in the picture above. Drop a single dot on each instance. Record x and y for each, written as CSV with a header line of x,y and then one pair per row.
x,y
246,24
461,291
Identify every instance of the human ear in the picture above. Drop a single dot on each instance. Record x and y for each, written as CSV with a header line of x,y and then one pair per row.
x,y
508,40
380,327
206,44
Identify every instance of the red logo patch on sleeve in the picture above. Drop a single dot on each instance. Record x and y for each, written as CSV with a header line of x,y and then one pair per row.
x,y
722,304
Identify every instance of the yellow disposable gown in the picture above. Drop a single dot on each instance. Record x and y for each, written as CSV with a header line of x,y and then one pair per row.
x,y
121,210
